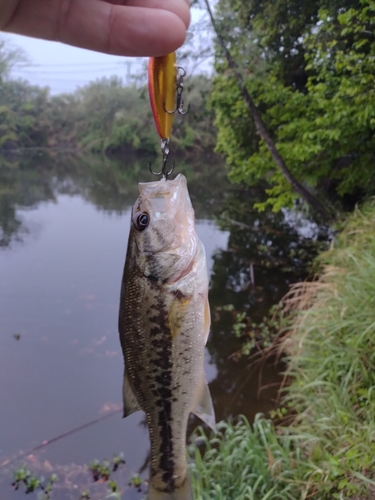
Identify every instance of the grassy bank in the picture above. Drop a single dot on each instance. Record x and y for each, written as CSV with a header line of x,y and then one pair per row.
x,y
329,450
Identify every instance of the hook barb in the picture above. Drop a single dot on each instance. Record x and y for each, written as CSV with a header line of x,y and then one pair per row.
x,y
179,107
154,173
165,150
163,170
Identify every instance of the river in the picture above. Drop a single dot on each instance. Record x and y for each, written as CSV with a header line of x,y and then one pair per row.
x,y
64,223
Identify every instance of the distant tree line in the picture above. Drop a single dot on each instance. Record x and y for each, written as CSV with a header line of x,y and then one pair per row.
x,y
308,68
103,116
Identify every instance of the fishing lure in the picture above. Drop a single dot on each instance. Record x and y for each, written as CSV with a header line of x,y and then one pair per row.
x,y
165,86
162,75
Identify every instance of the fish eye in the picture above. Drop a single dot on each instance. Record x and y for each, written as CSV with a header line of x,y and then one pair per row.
x,y
141,221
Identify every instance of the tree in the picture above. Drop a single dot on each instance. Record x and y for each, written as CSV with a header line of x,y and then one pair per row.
x,y
9,57
304,79
107,116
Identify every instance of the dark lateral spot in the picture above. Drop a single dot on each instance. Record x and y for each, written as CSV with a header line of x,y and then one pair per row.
x,y
164,379
167,477
179,295
155,342
165,393
164,362
155,330
151,277
174,400
168,409
165,428
166,462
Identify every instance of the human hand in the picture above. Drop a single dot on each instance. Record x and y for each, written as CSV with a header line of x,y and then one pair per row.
x,y
122,27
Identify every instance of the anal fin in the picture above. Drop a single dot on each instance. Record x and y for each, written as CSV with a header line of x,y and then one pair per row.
x,y
130,401
204,408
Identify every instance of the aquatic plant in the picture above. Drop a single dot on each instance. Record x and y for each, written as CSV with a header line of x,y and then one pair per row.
x,y
23,476
72,476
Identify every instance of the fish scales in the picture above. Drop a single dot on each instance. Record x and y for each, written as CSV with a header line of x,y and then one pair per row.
x,y
164,321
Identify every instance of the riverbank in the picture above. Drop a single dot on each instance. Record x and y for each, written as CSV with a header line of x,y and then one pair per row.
x,y
328,450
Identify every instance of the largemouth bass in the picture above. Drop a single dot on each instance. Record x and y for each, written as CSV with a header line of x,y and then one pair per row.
x,y
164,323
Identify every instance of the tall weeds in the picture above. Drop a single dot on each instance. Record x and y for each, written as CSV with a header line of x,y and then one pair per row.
x,y
332,362
329,450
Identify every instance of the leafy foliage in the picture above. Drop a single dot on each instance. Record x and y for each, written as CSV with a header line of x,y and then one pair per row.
x,y
22,107
310,69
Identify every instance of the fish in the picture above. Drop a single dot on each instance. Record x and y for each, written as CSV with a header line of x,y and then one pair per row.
x,y
164,322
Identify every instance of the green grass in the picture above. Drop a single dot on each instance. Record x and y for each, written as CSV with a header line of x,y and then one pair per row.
x,y
329,450
244,461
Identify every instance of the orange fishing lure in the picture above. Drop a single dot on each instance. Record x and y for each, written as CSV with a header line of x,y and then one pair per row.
x,y
162,75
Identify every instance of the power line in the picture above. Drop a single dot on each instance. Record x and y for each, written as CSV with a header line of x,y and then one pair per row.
x,y
57,438
68,72
111,63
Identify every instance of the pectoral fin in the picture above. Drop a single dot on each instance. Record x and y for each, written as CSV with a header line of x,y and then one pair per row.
x,y
130,401
204,409
206,320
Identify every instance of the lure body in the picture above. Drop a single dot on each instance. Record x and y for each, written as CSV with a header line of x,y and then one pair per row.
x,y
162,74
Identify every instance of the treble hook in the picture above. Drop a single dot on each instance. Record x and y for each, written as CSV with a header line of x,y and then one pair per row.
x,y
179,101
165,150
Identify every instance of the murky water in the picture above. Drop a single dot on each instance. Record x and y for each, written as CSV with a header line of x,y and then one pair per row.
x,y
64,224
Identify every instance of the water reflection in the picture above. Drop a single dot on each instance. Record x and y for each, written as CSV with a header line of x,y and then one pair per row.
x,y
26,180
264,255
59,291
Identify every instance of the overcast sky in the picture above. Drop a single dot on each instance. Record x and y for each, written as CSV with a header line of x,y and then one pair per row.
x,y
64,68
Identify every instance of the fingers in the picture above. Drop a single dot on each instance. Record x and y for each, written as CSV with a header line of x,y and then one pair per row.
x,y
8,8
133,27
177,7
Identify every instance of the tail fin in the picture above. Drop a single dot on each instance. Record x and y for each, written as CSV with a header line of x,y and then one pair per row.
x,y
184,492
